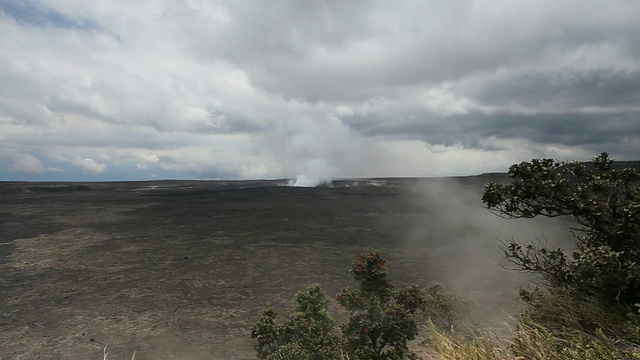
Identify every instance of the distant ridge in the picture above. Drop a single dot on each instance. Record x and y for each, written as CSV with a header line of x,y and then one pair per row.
x,y
619,164
28,187
498,176
633,164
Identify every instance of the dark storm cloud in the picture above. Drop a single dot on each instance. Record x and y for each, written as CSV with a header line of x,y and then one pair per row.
x,y
596,130
597,87
571,129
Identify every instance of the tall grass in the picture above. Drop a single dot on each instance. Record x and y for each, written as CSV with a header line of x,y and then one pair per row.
x,y
556,327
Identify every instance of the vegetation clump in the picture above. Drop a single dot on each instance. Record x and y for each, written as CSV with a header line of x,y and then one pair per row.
x,y
603,202
382,320
586,304
309,334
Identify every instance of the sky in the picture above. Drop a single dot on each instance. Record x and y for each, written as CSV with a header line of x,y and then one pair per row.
x,y
204,89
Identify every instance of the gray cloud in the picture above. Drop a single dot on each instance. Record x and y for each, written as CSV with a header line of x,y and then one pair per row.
x,y
354,50
606,131
268,89
26,164
556,90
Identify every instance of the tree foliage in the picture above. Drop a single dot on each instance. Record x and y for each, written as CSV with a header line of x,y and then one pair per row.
x,y
381,324
308,335
602,200
382,320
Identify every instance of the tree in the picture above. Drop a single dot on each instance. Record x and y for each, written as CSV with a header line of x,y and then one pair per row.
x,y
603,202
309,334
382,320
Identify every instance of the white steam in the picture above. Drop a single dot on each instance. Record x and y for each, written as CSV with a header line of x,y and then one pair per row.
x,y
460,239
313,151
315,172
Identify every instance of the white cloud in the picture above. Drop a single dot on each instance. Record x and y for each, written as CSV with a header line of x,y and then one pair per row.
x,y
204,162
443,102
27,164
88,166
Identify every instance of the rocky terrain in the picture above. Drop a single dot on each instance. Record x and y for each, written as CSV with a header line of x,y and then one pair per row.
x,y
182,269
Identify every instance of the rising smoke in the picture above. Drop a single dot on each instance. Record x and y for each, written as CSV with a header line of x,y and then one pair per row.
x,y
314,172
313,151
461,241
460,238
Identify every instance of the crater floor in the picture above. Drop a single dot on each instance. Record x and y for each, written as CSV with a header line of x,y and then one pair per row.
x,y
183,269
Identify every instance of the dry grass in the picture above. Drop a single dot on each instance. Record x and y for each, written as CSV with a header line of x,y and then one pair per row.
x,y
556,327
529,343
105,354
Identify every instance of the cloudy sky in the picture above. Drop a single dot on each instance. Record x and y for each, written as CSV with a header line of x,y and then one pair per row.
x,y
144,89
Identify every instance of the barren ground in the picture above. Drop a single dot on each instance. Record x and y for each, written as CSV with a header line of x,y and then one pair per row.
x,y
182,270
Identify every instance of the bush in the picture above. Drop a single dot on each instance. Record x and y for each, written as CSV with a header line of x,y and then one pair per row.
x,y
382,320
602,200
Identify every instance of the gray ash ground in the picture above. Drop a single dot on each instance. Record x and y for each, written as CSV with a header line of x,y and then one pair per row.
x,y
182,270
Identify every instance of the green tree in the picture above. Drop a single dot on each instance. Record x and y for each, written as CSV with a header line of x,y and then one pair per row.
x,y
603,202
382,320
308,335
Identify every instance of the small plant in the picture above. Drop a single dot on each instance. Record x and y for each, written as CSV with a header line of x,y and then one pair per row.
x,y
442,308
